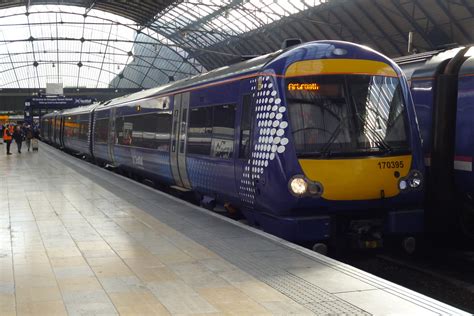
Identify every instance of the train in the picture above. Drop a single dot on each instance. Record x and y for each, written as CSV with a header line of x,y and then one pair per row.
x,y
442,86
316,143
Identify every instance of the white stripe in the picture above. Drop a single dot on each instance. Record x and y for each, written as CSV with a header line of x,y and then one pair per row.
x,y
463,165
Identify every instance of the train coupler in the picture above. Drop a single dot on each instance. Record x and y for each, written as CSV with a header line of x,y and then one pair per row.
x,y
366,234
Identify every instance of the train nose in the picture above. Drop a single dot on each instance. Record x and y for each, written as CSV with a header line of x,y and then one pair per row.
x,y
364,178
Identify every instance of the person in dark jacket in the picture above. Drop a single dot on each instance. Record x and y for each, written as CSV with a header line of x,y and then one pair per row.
x,y
18,136
29,136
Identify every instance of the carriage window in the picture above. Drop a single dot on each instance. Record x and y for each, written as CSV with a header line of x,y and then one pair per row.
x,y
71,126
245,127
83,127
101,130
223,131
211,131
200,131
151,130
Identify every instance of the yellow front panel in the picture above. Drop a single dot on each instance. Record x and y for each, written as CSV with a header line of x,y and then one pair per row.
x,y
357,179
340,66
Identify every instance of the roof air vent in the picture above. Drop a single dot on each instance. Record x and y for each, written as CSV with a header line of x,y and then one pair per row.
x,y
291,42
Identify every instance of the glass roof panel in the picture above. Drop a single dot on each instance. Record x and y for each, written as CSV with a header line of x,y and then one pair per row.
x,y
228,18
55,43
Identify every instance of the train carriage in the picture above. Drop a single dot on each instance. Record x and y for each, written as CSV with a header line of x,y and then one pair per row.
x,y
76,129
314,142
441,85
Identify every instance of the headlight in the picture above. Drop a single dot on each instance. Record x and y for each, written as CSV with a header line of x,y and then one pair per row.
x,y
415,180
298,186
402,185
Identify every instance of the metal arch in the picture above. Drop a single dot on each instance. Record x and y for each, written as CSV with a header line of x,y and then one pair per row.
x,y
11,62
103,58
468,8
41,76
111,22
319,28
413,23
148,70
89,53
453,20
199,22
330,25
361,27
390,20
180,26
96,41
386,36
422,9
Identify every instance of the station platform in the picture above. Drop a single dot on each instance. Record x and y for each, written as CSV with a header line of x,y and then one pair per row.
x,y
80,240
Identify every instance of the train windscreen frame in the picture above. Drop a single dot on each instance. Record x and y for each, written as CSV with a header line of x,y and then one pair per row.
x,y
347,115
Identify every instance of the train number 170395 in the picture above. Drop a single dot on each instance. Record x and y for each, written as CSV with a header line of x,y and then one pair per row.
x,y
390,164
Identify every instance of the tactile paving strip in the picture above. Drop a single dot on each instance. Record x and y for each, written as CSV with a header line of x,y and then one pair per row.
x,y
301,291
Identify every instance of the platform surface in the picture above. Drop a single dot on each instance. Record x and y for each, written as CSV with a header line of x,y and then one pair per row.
x,y
80,240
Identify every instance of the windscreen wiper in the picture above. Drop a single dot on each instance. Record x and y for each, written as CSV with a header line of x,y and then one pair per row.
x,y
325,149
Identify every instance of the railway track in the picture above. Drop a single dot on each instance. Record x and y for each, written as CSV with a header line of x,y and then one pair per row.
x,y
444,274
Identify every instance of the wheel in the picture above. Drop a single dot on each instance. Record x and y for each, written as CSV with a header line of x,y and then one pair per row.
x,y
409,245
320,248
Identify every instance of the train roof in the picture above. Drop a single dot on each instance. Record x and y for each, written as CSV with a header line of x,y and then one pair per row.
x,y
51,114
251,65
425,65
80,110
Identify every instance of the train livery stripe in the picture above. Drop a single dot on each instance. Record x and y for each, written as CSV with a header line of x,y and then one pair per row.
x,y
463,163
358,179
340,66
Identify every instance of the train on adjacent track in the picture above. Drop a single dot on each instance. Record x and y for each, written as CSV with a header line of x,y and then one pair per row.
x,y
442,84
313,143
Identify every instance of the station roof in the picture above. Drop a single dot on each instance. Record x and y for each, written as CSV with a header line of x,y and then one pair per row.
x,y
144,43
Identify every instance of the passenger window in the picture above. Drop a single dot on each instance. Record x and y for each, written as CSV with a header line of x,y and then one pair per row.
x,y
245,127
223,131
83,131
151,130
71,126
101,130
200,131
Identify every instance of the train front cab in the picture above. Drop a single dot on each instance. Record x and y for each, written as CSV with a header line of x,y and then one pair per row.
x,y
358,173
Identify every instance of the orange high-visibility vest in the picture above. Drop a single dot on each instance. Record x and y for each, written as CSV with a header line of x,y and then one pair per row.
x,y
7,137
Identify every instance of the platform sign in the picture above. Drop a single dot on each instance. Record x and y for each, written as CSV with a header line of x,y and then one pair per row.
x,y
42,105
54,89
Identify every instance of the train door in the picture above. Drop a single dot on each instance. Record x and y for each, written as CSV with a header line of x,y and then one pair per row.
x,y
55,129
111,136
179,140
243,171
61,132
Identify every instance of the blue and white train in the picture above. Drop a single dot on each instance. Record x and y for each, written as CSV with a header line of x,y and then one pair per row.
x,y
313,143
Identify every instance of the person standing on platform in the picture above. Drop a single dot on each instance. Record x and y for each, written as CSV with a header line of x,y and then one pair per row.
x,y
18,136
2,127
7,137
29,135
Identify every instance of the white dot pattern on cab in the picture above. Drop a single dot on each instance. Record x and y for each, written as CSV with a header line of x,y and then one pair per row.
x,y
271,130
